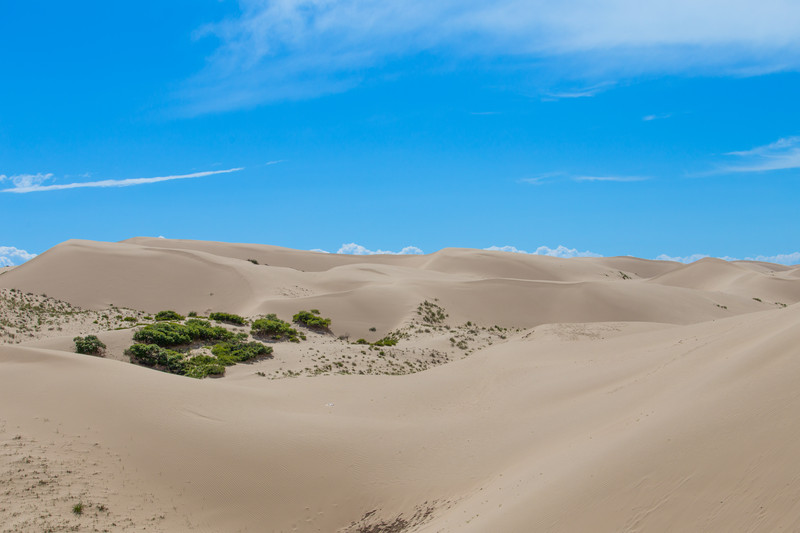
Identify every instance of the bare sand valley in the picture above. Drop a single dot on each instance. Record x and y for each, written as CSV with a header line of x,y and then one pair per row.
x,y
518,393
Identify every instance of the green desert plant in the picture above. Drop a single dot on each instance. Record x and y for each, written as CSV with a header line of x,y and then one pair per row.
x,y
228,318
386,341
311,319
230,353
168,315
167,334
274,328
89,345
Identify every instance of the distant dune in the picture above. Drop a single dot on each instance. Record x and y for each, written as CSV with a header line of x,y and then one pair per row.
x,y
624,395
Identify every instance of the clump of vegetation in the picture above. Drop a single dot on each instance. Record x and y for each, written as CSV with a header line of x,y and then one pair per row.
x,y
274,328
373,329
253,261
230,353
89,345
431,313
167,334
226,353
168,315
228,318
78,508
192,314
311,319
386,341
361,341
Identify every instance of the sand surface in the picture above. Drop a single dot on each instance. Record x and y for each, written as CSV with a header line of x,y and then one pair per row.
x,y
604,395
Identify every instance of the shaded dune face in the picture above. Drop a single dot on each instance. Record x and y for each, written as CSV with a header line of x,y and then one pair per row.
x,y
636,396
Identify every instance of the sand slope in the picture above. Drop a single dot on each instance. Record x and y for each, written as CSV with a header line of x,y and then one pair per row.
x,y
687,429
511,290
630,405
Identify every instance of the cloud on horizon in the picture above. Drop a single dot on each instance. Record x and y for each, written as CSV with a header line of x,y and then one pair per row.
x,y
11,256
26,183
780,259
356,249
296,49
559,251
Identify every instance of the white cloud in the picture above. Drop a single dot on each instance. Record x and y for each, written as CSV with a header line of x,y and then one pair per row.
x,y
781,259
782,154
611,178
649,118
32,182
559,251
291,49
26,180
10,255
560,176
356,249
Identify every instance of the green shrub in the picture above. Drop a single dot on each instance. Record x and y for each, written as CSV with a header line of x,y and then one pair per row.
x,y
230,353
168,315
129,319
168,334
361,341
386,341
163,334
274,328
89,345
192,314
201,366
312,320
202,330
228,318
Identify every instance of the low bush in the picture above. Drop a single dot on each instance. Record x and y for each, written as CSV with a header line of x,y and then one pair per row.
x,y
89,345
168,334
274,328
201,366
386,341
311,319
168,315
230,353
228,318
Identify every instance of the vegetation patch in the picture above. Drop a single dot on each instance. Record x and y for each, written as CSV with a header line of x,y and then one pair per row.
x,y
274,328
311,319
431,313
167,334
230,353
89,345
168,315
228,318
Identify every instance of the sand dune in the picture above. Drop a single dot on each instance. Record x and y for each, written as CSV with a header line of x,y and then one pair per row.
x,y
662,400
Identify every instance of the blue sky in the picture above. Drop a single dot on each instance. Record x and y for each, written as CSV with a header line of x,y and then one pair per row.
x,y
628,128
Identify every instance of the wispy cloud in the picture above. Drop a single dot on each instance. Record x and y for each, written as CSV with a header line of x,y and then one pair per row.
x,y
559,251
10,256
25,183
780,155
781,259
356,249
662,116
561,176
302,48
622,179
